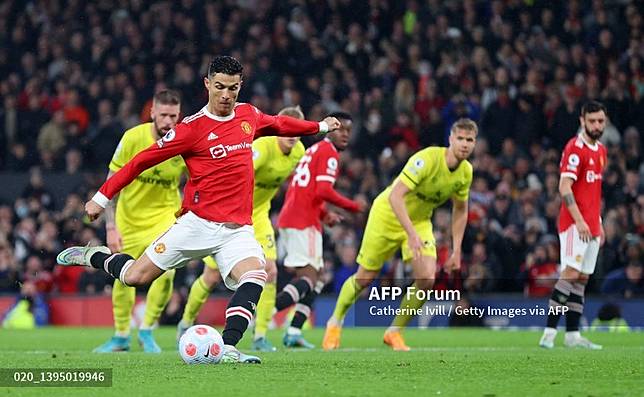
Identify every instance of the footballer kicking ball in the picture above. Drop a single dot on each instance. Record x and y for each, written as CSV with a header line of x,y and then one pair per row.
x,y
201,344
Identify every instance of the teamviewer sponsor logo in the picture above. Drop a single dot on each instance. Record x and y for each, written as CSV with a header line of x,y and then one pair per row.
x,y
218,151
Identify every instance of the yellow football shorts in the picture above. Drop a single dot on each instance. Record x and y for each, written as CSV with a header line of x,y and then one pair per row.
x,y
381,240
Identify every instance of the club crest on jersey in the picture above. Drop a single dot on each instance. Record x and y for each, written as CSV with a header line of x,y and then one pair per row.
x,y
159,248
245,126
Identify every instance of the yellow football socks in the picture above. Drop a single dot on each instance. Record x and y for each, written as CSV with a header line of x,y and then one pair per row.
x,y
348,296
197,297
265,308
123,298
158,296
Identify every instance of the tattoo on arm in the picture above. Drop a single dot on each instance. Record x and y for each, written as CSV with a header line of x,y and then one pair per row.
x,y
569,200
109,213
110,208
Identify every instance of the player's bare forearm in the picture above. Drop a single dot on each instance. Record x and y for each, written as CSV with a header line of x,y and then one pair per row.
x,y
397,201
565,190
459,223
110,209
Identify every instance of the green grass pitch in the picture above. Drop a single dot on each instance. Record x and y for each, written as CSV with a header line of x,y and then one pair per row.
x,y
445,362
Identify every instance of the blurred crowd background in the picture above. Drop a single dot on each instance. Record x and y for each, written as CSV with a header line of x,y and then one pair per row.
x,y
74,75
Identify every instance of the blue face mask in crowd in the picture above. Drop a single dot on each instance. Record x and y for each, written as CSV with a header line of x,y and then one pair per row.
x,y
22,211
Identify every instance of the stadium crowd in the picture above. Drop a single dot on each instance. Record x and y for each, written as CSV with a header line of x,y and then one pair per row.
x,y
74,75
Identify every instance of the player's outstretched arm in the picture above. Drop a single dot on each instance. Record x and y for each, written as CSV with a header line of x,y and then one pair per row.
x,y
326,192
173,144
565,190
459,222
290,126
397,201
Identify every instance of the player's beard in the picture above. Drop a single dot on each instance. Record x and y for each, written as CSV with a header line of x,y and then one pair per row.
x,y
160,133
595,135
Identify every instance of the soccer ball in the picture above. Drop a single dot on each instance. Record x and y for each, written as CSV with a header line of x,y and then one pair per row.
x,y
201,344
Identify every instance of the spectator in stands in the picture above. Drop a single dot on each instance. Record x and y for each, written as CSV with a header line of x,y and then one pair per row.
x,y
628,281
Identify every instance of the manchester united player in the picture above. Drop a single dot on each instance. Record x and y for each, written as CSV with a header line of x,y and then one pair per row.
x,y
215,218
580,228
300,225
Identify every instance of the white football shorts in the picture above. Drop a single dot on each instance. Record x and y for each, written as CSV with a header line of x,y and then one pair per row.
x,y
192,237
577,254
303,247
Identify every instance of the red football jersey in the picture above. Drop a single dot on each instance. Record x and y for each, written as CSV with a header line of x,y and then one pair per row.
x,y
312,186
585,164
218,154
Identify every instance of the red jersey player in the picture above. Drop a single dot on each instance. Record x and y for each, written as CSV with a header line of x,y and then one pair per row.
x,y
300,224
215,218
580,229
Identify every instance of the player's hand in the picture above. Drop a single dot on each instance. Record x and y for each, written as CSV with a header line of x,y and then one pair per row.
x,y
602,235
416,245
453,263
584,231
362,203
93,210
114,241
332,218
333,123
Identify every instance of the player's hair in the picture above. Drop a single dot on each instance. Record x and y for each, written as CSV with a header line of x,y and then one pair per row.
x,y
593,107
293,111
464,124
225,64
167,97
341,115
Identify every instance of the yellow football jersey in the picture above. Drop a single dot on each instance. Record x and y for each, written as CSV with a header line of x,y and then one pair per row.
x,y
149,203
431,183
272,167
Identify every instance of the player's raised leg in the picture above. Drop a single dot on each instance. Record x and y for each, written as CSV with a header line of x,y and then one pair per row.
x,y
123,267
199,292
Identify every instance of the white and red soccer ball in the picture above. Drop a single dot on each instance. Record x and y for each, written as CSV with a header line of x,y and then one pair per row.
x,y
201,344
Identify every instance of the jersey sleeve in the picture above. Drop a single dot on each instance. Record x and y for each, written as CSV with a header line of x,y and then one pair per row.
x,y
325,173
122,154
260,153
283,125
326,168
177,141
415,171
571,162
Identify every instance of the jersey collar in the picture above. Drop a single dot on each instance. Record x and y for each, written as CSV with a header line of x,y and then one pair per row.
x,y
594,147
218,118
332,145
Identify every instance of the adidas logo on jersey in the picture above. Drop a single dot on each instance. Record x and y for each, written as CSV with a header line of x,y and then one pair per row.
x,y
212,136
